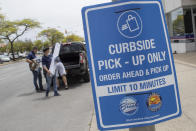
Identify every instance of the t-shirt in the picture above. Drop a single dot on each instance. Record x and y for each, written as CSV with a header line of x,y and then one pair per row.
x,y
32,56
38,61
46,61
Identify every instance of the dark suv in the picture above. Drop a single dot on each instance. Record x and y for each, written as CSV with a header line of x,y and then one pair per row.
x,y
74,58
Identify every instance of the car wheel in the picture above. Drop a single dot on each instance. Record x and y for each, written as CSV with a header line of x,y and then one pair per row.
x,y
86,77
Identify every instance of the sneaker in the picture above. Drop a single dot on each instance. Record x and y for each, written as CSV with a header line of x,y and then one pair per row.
x,y
38,91
56,94
47,92
42,90
66,87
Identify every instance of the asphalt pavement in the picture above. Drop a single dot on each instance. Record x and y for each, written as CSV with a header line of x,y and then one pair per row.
x,y
22,109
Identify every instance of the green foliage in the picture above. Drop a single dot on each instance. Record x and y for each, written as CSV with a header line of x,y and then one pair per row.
x,y
12,30
3,49
21,46
39,44
73,37
1,17
46,44
28,45
52,35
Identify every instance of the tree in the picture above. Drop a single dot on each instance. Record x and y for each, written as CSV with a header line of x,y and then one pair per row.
x,y
1,21
73,37
46,44
1,17
28,45
3,49
39,44
12,30
18,46
21,46
52,35
1,41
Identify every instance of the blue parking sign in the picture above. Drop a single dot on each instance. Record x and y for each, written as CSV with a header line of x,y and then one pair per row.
x,y
131,65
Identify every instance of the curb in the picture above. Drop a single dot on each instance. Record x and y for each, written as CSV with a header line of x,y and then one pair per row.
x,y
93,123
185,63
91,120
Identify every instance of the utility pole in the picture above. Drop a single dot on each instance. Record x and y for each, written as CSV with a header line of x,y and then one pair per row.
x,y
145,128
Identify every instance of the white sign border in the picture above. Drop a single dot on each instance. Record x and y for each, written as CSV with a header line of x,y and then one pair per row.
x,y
93,66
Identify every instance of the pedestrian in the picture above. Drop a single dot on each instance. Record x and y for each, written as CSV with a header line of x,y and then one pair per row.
x,y
50,78
34,66
60,71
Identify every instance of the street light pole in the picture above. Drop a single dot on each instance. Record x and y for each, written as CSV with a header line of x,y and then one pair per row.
x,y
145,128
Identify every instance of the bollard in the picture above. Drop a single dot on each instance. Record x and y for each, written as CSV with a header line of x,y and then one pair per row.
x,y
145,128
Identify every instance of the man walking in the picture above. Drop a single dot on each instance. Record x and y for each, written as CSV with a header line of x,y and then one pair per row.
x,y
34,65
46,62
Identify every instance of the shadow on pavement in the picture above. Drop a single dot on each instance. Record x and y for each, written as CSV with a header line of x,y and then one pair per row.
x,y
27,94
43,98
32,92
73,84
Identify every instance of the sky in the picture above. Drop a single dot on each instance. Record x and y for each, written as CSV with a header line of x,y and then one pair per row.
x,y
60,14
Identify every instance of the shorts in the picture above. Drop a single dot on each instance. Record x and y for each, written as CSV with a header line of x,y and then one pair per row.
x,y
60,69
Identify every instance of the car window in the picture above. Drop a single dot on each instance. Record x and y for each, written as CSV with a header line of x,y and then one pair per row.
x,y
73,47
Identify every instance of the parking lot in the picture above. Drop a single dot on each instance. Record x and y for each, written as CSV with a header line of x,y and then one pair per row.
x,y
23,109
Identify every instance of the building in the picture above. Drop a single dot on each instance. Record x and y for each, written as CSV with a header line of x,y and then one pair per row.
x,y
181,21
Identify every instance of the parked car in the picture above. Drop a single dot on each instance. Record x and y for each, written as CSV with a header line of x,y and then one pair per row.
x,y
22,55
15,55
40,53
4,58
1,62
5,53
74,58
